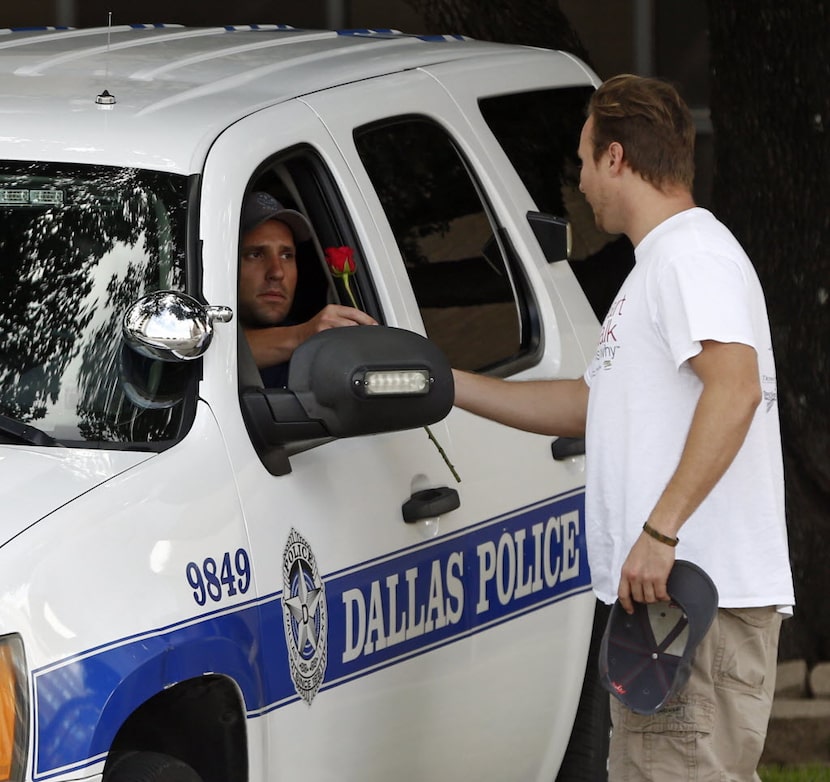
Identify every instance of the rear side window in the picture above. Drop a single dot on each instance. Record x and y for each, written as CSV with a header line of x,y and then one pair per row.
x,y
539,132
470,294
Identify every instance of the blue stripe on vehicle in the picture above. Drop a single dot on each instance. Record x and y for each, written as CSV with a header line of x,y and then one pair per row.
x,y
379,613
36,29
442,38
461,585
361,31
235,28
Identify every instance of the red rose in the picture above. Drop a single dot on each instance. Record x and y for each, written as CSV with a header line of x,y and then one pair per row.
x,y
340,260
341,264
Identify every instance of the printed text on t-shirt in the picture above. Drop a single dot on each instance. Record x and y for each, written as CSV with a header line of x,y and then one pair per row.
x,y
608,345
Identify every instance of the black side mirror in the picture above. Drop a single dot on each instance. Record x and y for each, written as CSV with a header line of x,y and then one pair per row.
x,y
553,234
347,382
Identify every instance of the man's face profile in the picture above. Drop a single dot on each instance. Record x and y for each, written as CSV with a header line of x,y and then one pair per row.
x,y
590,177
267,274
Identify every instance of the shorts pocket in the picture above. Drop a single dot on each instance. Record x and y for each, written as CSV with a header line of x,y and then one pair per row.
x,y
749,636
673,744
682,714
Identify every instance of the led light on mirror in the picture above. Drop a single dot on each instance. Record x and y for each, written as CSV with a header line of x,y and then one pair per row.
x,y
393,382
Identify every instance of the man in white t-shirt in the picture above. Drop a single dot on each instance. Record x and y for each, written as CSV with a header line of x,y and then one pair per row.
x,y
679,411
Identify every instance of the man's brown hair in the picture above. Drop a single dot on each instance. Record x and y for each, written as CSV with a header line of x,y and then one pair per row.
x,y
651,122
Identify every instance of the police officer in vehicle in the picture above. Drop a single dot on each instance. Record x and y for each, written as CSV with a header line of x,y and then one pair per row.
x,y
268,274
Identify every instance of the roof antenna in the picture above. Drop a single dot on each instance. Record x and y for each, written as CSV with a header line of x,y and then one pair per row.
x,y
105,99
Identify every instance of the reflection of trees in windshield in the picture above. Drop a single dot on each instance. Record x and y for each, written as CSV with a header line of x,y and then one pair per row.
x,y
105,412
76,248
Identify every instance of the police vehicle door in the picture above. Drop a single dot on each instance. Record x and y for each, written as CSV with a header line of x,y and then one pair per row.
x,y
386,634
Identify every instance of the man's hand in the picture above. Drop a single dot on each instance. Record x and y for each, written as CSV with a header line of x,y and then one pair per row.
x,y
731,393
645,573
275,344
334,316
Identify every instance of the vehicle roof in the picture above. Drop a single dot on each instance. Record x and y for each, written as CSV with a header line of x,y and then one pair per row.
x,y
176,88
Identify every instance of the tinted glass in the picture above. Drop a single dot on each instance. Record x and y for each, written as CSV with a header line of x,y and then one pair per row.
x,y
539,132
449,244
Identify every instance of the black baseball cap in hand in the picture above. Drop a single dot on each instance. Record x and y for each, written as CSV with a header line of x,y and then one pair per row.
x,y
646,657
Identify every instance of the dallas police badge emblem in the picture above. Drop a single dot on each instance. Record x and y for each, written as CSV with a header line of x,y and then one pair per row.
x,y
304,616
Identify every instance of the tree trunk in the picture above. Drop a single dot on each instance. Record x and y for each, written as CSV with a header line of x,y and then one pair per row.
x,y
771,117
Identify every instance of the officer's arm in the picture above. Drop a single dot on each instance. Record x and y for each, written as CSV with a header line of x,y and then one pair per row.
x,y
275,345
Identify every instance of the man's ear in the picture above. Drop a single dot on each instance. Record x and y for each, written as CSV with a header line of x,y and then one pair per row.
x,y
616,157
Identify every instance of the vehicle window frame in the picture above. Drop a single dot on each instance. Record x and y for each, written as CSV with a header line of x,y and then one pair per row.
x,y
323,205
299,177
600,262
530,342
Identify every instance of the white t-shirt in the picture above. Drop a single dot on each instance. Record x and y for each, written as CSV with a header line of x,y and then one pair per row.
x,y
691,282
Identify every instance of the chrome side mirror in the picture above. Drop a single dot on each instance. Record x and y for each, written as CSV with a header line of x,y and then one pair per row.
x,y
171,326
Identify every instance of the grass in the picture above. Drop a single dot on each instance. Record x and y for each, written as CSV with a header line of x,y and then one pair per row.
x,y
813,772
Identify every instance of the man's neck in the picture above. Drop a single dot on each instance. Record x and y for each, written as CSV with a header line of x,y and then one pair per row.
x,y
648,207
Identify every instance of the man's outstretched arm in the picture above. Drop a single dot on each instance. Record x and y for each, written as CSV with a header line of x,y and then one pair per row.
x,y
550,407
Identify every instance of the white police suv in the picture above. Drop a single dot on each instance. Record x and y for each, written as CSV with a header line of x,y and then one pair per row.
x,y
205,579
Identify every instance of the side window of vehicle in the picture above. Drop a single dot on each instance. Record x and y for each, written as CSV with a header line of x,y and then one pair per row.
x,y
299,180
473,301
539,132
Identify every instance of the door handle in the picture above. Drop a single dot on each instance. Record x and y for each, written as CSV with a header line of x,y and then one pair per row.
x,y
565,447
430,502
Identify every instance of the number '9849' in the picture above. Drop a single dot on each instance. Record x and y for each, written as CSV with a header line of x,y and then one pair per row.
x,y
210,580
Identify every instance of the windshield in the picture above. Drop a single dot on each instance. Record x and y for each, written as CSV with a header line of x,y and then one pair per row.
x,y
78,245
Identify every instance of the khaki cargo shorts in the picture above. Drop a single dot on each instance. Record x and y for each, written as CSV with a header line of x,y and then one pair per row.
x,y
714,729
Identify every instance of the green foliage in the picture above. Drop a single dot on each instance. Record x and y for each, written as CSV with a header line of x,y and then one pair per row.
x,y
814,772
